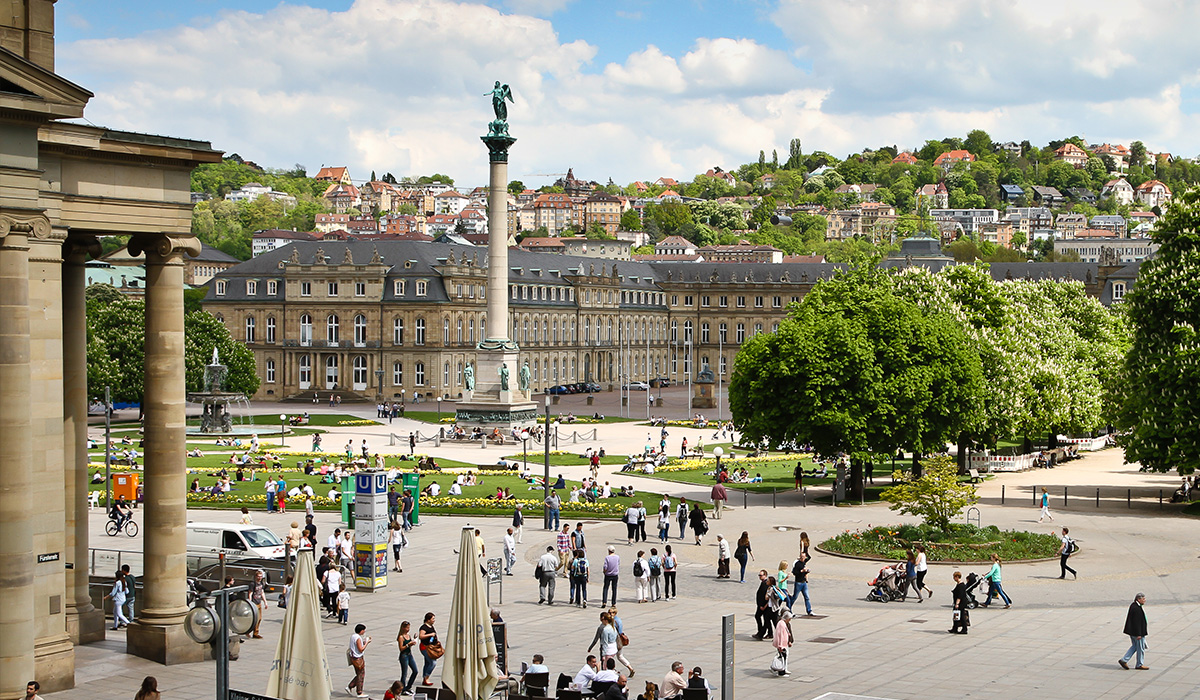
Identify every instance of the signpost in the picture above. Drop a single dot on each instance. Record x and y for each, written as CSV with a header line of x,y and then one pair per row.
x,y
495,575
727,657
371,530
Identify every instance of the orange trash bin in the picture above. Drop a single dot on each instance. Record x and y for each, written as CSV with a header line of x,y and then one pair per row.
x,y
124,487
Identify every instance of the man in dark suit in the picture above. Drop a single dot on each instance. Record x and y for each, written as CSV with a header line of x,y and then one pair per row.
x,y
763,614
1135,627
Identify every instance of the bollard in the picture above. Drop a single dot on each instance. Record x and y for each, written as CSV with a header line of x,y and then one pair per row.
x,y
773,498
1035,502
1129,497
744,498
1064,497
1160,499
1097,498
1001,494
804,496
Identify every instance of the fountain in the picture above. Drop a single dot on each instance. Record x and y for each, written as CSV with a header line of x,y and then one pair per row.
x,y
216,418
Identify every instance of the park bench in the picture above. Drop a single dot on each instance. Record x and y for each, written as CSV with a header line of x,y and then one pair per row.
x,y
974,474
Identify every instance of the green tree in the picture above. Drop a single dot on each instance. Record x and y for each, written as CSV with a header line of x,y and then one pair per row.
x,y
795,156
1137,154
669,217
936,497
597,232
643,250
516,187
1159,407
630,221
979,143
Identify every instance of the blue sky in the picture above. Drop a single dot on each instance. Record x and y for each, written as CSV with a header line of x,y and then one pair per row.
x,y
629,89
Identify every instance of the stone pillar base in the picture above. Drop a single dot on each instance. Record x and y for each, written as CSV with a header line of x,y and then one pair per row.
x,y
54,664
491,414
702,395
165,644
86,627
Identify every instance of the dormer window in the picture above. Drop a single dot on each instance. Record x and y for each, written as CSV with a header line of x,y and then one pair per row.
x,y
251,287
220,288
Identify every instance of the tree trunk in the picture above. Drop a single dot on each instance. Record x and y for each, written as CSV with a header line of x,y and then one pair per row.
x,y
963,443
916,465
1026,446
857,475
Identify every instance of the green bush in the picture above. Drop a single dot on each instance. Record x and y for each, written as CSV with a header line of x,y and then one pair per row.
x,y
957,543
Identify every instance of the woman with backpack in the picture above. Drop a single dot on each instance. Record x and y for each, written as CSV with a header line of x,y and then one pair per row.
x,y
670,564
1064,552
641,576
579,579
655,564
681,515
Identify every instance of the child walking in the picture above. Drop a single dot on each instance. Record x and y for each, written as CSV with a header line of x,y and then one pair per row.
x,y
343,604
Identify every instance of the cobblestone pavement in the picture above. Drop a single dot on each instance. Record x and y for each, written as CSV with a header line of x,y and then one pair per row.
x,y
1061,639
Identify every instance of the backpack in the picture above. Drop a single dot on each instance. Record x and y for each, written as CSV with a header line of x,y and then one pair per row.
x,y
655,567
1072,547
579,568
637,568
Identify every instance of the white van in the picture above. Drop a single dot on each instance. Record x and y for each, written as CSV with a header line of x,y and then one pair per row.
x,y
233,539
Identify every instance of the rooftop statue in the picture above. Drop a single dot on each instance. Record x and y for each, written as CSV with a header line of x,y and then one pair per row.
x,y
499,94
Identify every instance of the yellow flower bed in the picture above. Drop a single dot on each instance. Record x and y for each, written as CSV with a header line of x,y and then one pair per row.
x,y
710,463
358,421
453,503
261,499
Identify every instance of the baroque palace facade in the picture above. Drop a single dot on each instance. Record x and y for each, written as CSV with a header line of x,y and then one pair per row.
x,y
400,319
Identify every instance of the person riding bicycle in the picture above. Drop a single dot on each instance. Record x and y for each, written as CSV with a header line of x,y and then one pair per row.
x,y
120,513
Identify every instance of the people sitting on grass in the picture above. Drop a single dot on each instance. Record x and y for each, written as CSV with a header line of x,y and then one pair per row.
x,y
433,489
627,491
195,453
455,488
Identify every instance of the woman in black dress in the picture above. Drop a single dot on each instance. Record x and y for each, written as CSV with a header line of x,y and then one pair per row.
x,y
698,521
962,616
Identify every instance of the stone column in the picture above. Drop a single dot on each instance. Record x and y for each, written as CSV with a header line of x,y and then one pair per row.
x,y
85,622
497,289
16,456
158,633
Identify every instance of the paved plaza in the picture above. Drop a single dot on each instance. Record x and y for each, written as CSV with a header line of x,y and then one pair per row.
x,y
1061,639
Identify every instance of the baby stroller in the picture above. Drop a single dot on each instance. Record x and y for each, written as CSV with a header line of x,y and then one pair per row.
x,y
888,585
973,581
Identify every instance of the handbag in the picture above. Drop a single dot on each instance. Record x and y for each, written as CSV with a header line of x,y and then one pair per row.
x,y
435,650
349,658
778,664
624,639
957,615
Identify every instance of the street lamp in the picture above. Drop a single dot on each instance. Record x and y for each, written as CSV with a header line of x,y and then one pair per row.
x,y
439,402
546,480
282,429
717,452
687,367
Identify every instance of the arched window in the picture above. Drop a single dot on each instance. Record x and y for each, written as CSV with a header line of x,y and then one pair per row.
x,y
331,371
459,325
331,328
687,330
674,330
420,331
249,329
270,329
305,371
445,376
459,378
471,329
360,330
398,331
555,326
360,372
397,374
306,334
445,330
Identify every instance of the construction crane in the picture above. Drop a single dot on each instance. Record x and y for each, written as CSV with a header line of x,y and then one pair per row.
x,y
544,175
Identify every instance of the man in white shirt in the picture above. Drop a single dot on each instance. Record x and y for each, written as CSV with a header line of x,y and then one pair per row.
x,y
673,683
308,491
334,539
583,679
608,674
434,489
455,489
510,552
346,550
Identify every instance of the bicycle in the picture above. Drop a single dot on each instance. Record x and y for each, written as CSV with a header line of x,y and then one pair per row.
x,y
129,526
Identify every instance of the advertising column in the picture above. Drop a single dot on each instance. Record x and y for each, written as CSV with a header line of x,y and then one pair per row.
x,y
370,530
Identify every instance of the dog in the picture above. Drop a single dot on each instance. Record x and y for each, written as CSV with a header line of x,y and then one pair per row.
x,y
651,691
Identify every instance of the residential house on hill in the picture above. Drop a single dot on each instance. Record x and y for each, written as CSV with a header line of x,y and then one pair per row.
x,y
604,209
341,197
1119,189
331,222
767,181
863,191
253,190
969,219
958,155
721,175
1082,194
1118,153
1068,224
674,245
1011,147
1048,196
378,197
933,196
1153,193
742,252
1011,193
364,224
998,232
339,174
401,224
1110,222
269,239
1034,222
450,202
554,211
666,182
575,187
906,158
1071,154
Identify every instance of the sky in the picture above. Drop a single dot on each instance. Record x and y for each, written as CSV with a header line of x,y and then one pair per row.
x,y
629,89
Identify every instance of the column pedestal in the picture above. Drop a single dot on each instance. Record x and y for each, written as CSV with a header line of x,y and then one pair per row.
x,y
158,634
490,406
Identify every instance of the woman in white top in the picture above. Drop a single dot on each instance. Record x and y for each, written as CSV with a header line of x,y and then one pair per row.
x,y
922,567
355,654
631,522
246,518
397,542
641,576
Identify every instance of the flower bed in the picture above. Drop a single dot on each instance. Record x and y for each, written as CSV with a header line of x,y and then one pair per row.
x,y
964,543
204,497
358,421
710,463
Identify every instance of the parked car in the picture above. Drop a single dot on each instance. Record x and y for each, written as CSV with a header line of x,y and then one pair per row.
x,y
592,387
660,382
559,389
636,386
578,388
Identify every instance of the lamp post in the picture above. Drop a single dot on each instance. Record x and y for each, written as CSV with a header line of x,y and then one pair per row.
x,y
687,368
439,403
282,429
720,371
546,480
717,452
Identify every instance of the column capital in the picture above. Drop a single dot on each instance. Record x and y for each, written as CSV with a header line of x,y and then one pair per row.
x,y
27,222
165,246
78,246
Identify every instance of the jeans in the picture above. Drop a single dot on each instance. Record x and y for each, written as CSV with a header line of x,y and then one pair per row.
x,y
578,591
997,590
554,523
1137,646
669,584
682,527
742,562
546,587
1062,562
270,501
609,581
406,520
800,588
430,662
664,533
343,615
509,559
129,607
406,663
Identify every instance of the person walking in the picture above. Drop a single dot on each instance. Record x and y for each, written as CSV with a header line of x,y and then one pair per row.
x,y
612,570
631,523
398,542
681,516
782,640
622,640
670,567
641,521
258,596
962,616
1135,627
554,505
910,577
743,553
429,645
408,665
563,541
1045,506
922,569
578,539
996,589
579,578
655,564
118,596
699,523
412,443
606,636
664,523
641,576
719,496
723,556
518,522
763,614
1065,551
510,552
130,591
270,489
356,655
800,583
547,571
407,502
148,691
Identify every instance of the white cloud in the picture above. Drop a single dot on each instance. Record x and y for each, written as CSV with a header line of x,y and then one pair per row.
x,y
399,85
537,8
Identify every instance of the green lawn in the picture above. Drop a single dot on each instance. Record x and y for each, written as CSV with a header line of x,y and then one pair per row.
x,y
777,476
565,460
